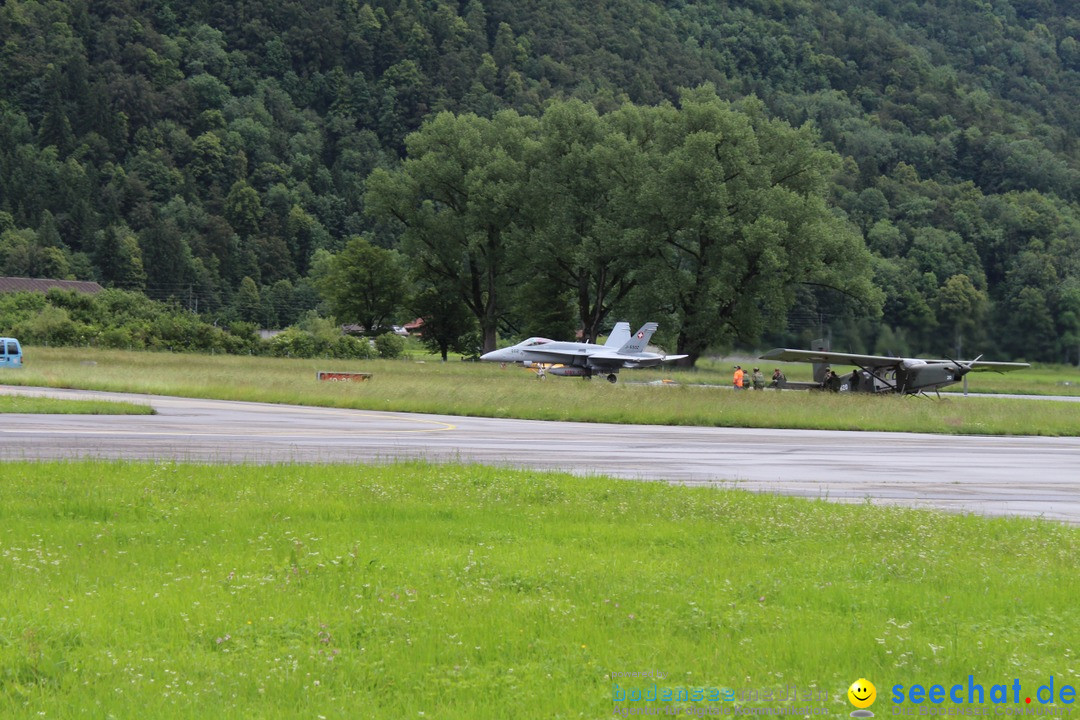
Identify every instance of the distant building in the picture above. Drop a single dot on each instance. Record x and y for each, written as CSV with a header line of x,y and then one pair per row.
x,y
43,285
416,327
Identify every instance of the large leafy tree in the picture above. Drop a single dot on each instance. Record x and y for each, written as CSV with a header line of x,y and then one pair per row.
x,y
582,238
719,212
736,203
459,197
365,284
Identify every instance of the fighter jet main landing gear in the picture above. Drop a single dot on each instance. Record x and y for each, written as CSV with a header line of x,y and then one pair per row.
x,y
612,378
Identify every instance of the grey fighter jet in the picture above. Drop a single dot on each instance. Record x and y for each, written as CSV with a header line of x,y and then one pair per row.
x,y
576,359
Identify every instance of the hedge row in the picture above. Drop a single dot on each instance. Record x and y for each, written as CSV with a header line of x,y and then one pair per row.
x,y
128,320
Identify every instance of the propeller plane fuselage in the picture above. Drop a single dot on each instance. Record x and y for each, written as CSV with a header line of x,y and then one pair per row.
x,y
885,374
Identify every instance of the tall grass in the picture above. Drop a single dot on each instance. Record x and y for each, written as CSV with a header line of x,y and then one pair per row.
x,y
165,590
488,390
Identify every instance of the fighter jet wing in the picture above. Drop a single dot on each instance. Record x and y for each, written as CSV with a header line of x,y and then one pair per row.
x,y
553,355
831,358
871,362
617,360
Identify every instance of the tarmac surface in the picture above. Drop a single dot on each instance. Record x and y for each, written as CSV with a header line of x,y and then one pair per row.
x,y
1031,476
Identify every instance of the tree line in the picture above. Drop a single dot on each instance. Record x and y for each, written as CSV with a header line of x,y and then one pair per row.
x,y
708,218
220,155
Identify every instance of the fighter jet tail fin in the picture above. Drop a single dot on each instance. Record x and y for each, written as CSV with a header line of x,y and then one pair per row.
x,y
639,341
620,335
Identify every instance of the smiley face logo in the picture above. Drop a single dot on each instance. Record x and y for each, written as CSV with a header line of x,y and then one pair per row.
x,y
862,693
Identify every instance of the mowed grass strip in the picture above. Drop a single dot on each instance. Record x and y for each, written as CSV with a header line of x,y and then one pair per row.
x,y
58,406
166,590
482,389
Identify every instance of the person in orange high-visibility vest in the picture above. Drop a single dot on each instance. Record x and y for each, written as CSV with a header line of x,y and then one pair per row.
x,y
738,379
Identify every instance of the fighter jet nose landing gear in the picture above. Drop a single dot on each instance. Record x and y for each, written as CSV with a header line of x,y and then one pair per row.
x,y
612,377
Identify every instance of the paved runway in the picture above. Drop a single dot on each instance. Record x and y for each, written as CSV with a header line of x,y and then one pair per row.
x,y
990,475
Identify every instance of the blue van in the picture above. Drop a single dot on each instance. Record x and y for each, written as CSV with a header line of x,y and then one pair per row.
x,y
10,352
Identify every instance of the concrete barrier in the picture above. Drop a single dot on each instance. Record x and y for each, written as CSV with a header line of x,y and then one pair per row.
x,y
342,376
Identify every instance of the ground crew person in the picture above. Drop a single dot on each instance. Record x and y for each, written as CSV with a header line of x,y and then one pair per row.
x,y
738,378
778,379
759,379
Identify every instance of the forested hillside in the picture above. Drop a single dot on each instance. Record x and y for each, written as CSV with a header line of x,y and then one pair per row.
x,y
216,152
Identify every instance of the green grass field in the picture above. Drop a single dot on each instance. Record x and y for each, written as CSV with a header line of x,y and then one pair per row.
x,y
165,590
36,406
489,390
171,590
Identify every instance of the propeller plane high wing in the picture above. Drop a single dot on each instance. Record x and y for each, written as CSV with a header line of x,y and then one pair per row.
x,y
576,359
885,374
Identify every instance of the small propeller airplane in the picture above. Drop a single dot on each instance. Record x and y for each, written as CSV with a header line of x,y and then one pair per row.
x,y
882,373
576,359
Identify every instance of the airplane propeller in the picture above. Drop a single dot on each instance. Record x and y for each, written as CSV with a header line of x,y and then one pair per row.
x,y
964,368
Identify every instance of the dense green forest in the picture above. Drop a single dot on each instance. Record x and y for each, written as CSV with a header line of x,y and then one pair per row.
x,y
219,155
